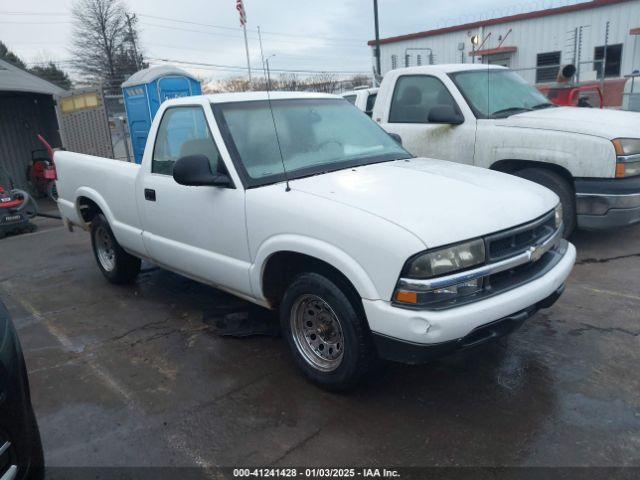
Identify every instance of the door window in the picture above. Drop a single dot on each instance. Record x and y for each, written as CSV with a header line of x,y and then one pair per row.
x,y
415,96
183,131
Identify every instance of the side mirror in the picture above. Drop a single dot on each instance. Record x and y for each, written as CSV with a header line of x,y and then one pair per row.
x,y
195,171
445,114
396,137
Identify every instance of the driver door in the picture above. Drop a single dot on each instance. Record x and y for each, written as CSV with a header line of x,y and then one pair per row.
x,y
408,116
197,231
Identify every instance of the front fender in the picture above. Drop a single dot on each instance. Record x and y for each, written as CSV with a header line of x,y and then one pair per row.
x,y
313,247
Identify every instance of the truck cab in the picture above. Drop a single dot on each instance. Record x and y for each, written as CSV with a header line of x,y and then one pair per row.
x,y
488,116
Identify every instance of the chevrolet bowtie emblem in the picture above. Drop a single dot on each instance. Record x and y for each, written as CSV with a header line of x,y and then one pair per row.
x,y
536,252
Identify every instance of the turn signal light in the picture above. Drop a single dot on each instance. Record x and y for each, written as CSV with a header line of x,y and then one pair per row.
x,y
406,297
620,170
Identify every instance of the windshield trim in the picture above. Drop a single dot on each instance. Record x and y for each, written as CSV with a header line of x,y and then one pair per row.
x,y
250,182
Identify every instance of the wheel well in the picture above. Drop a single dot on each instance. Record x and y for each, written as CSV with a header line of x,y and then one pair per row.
x,y
88,209
512,166
282,267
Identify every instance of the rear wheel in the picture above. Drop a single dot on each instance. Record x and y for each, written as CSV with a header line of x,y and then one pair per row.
x,y
326,332
561,187
115,264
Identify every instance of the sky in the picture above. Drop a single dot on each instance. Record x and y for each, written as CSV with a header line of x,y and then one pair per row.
x,y
298,35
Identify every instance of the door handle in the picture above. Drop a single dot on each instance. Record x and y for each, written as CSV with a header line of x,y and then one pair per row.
x,y
150,194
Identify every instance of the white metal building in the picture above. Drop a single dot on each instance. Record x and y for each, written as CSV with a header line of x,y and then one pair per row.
x,y
535,43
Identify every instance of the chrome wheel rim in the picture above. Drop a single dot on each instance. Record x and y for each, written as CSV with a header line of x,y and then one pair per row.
x,y
317,333
105,249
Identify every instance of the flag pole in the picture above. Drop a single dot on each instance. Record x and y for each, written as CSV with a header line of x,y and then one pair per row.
x,y
246,46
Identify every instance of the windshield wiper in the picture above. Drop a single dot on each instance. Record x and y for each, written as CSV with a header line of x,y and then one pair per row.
x,y
540,106
505,112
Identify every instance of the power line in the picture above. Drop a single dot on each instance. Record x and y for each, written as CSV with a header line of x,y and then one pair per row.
x,y
189,22
203,65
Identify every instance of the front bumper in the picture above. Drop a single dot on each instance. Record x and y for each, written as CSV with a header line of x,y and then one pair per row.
x,y
413,353
432,327
607,202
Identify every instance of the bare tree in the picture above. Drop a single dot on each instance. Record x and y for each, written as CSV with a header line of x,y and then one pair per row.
x,y
104,42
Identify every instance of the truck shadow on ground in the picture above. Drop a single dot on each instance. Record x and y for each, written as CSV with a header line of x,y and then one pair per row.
x,y
498,386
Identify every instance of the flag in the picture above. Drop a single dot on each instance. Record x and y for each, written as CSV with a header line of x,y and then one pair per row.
x,y
243,15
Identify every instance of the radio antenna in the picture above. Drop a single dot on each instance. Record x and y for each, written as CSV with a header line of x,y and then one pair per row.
x,y
275,128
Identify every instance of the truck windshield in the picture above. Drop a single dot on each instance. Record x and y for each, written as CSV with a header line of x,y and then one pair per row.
x,y
498,93
315,136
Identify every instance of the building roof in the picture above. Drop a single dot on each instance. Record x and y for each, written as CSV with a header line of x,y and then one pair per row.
x,y
153,73
15,79
495,21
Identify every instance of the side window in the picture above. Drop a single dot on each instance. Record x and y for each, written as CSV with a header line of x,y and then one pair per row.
x,y
371,100
183,131
415,95
350,98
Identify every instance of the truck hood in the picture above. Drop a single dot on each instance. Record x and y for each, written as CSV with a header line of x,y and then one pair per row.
x,y
440,202
605,123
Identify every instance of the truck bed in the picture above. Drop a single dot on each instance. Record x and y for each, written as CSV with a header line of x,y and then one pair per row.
x,y
111,184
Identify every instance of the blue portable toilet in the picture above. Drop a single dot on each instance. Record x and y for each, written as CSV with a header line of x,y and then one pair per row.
x,y
145,90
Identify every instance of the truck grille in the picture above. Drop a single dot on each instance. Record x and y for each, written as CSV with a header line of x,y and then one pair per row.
x,y
517,240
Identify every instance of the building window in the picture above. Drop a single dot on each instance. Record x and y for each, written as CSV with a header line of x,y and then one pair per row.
x,y
407,60
547,67
394,62
613,60
419,60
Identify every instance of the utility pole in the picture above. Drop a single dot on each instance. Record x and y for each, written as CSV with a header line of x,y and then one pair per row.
x,y
130,19
377,46
261,51
603,65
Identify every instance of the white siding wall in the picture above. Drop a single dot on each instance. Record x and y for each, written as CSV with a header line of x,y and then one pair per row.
x,y
533,36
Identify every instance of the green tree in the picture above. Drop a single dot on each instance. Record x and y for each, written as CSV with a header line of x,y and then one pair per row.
x,y
50,71
9,56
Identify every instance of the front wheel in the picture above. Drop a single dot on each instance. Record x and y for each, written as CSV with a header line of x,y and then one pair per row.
x,y
326,332
115,264
558,185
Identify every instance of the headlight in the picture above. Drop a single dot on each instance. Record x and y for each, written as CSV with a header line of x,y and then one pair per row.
x,y
627,146
446,260
440,262
558,215
628,157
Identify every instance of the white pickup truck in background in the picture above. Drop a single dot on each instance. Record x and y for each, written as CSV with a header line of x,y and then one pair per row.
x,y
366,251
364,98
488,116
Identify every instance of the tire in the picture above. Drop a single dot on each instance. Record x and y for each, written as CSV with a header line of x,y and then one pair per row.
x,y
36,467
561,187
319,317
116,265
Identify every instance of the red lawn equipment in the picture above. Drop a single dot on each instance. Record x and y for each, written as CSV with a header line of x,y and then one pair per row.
x,y
573,96
17,208
42,172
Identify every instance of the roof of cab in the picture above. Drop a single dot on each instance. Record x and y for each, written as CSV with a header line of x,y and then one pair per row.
x,y
249,97
448,68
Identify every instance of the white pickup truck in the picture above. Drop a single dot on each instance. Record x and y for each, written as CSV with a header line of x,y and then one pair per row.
x,y
363,98
488,116
366,251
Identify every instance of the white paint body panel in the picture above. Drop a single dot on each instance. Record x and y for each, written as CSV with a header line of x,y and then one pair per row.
x,y
577,139
365,221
